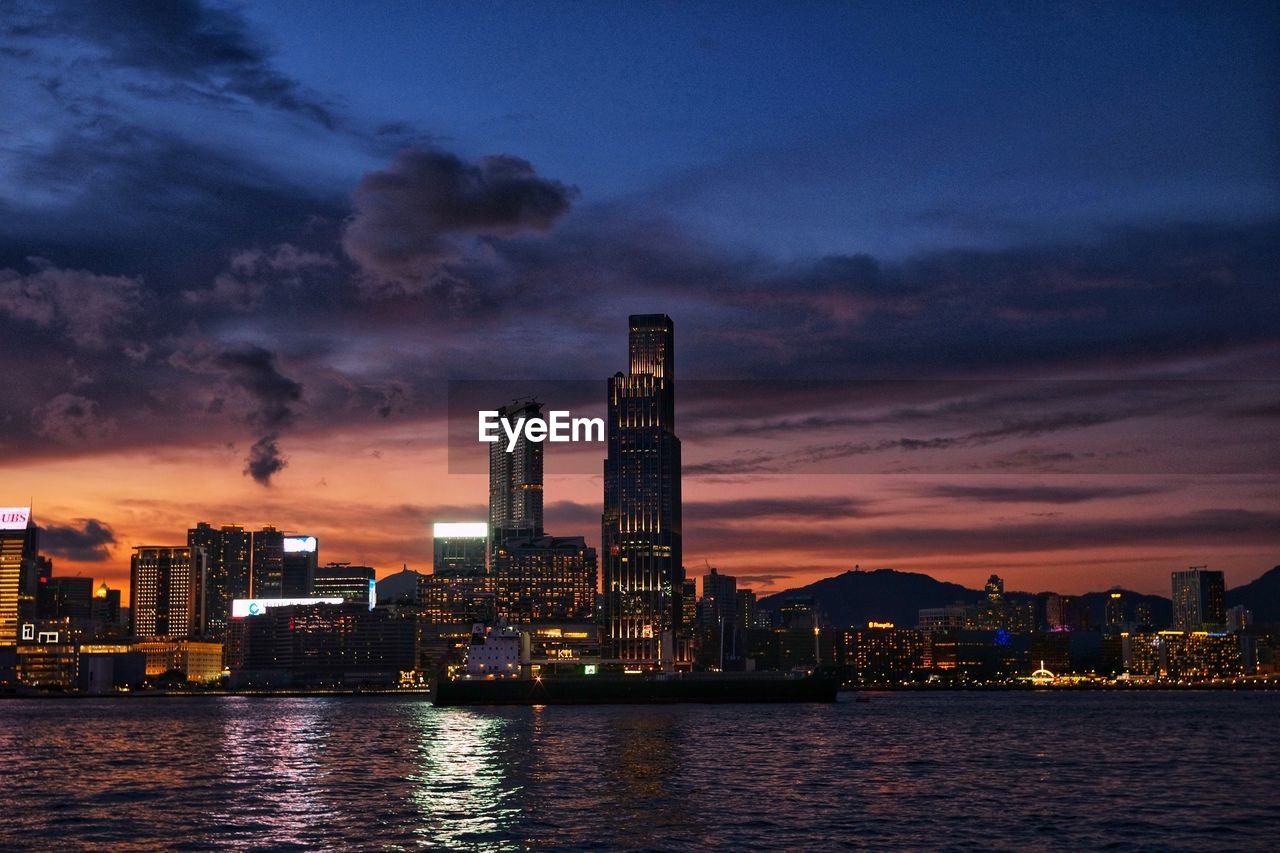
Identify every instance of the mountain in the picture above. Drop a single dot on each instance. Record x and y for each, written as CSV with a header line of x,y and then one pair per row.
x,y
885,595
1262,596
855,598
399,586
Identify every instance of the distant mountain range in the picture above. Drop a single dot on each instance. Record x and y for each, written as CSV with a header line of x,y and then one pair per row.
x,y
856,597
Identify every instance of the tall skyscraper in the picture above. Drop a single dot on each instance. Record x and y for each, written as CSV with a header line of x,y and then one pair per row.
x,y
1199,599
166,591
460,548
298,566
515,481
640,529
19,539
228,552
544,579
267,571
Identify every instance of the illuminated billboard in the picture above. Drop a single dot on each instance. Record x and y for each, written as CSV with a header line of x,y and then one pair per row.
x,y
242,607
299,544
14,517
460,530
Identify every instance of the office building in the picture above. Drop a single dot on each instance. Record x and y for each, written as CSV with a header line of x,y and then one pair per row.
x,y
460,549
882,653
227,550
641,524
308,645
106,607
515,480
1199,599
455,601
19,540
65,598
544,579
1239,618
192,660
1113,616
166,591
267,569
1186,655
298,566
343,580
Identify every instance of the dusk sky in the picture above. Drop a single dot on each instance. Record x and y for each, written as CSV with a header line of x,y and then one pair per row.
x,y
986,288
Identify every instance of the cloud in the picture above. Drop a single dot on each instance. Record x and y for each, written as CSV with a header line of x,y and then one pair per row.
x,y
264,460
272,396
71,419
818,508
411,220
86,540
1039,493
207,49
88,308
251,273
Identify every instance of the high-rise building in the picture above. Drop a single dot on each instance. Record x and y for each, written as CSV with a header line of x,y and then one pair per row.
x,y
65,598
19,539
229,557
298,566
267,569
689,604
1239,618
995,588
1114,615
544,579
515,480
719,599
166,591
641,524
106,607
1199,599
345,581
461,548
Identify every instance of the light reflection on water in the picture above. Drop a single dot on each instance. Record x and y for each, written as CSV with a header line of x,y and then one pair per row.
x,y
965,771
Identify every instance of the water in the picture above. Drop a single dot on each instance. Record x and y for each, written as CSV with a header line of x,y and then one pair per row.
x,y
1151,771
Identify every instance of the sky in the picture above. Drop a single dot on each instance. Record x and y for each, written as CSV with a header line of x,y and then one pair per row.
x,y
958,289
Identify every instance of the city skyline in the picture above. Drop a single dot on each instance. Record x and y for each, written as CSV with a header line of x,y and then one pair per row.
x,y
234,280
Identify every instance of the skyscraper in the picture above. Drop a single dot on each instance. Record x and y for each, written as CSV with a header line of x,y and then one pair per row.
x,y
643,573
267,571
298,566
460,548
166,591
515,481
544,579
1199,599
19,538
228,552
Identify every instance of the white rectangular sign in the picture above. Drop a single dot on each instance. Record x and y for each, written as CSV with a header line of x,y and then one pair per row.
x,y
242,607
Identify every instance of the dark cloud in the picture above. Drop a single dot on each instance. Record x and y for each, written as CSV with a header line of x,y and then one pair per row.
x,y
411,220
264,460
86,540
205,47
87,307
244,284
272,396
1039,493
829,508
72,420
1190,531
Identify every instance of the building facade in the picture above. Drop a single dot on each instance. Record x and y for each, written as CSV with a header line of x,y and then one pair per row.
x,y
1199,599
166,591
515,480
544,579
641,523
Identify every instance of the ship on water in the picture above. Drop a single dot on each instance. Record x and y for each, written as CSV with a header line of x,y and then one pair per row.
x,y
495,672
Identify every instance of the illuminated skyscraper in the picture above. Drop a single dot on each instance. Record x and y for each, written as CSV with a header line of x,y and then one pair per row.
x,y
1199,599
515,481
643,573
298,566
19,538
227,579
166,591
460,549
267,571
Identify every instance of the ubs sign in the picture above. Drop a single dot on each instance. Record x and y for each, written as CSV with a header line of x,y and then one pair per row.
x,y
14,517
